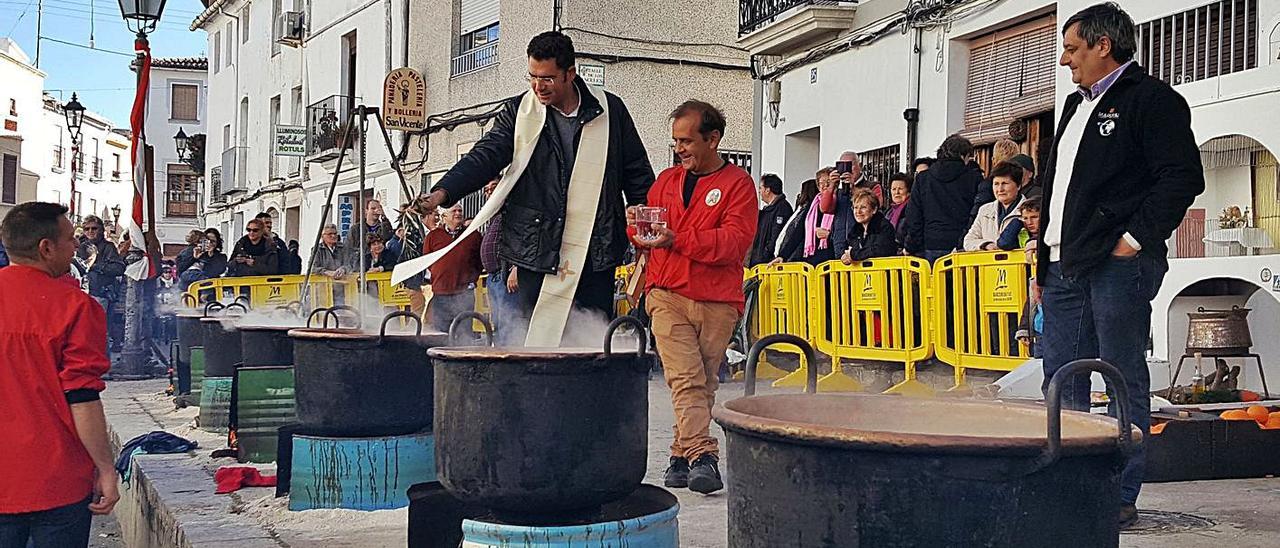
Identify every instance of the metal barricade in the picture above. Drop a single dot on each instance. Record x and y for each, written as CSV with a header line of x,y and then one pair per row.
x,y
782,306
978,300
872,310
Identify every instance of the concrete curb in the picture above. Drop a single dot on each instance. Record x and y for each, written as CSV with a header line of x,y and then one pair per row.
x,y
169,501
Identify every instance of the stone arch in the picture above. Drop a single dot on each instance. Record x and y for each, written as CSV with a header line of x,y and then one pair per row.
x,y
1238,287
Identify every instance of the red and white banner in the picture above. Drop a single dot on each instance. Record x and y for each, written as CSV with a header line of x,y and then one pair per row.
x,y
143,269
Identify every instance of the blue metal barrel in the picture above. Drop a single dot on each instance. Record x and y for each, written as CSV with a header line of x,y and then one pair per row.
x,y
359,473
645,519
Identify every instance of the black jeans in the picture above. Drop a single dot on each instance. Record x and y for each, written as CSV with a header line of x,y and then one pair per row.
x,y
61,527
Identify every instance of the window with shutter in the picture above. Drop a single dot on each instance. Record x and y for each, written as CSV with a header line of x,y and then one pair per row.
x,y
1205,42
1010,78
477,14
184,102
9,195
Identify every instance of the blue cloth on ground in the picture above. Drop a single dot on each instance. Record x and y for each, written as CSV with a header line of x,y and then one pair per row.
x,y
155,443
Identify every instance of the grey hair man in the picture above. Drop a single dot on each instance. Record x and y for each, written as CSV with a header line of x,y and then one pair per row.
x,y
1123,170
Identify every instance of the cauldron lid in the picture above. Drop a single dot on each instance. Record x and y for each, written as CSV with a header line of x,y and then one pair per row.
x,y
427,338
891,423
486,353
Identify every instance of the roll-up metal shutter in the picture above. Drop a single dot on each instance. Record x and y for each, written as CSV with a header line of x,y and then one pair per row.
x,y
1010,77
478,14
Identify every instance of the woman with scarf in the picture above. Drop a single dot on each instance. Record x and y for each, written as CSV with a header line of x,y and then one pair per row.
x,y
815,243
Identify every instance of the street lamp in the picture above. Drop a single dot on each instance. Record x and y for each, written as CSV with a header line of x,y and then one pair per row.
x,y
74,112
141,16
181,140
115,213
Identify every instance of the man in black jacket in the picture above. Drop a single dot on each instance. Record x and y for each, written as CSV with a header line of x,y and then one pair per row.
x,y
938,213
1122,172
105,266
772,217
533,217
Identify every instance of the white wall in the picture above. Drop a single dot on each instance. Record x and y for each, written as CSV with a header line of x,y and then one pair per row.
x,y
55,183
161,128
23,84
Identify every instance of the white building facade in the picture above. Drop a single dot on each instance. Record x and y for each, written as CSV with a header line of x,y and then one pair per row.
x,y
22,131
177,100
289,63
846,76
103,174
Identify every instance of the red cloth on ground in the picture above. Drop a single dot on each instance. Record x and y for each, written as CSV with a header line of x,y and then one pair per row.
x,y
232,478
713,234
53,339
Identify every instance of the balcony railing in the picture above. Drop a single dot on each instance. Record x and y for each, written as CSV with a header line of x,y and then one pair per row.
x,y
57,157
215,184
233,169
97,168
181,203
477,59
115,174
327,122
755,14
1197,237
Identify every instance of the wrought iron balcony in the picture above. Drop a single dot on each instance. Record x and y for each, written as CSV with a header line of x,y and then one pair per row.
x,y
180,203
475,60
775,27
215,184
327,124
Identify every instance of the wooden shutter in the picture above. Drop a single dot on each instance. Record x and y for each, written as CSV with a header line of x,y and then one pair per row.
x,y
478,14
1199,43
10,190
1010,77
185,102
1190,235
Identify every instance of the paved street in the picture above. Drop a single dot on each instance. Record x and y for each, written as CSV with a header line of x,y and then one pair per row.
x,y
1238,513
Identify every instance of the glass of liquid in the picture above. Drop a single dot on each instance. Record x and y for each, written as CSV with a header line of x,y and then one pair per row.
x,y
648,219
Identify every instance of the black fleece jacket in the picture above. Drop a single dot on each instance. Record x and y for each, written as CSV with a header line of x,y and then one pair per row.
x,y
1137,170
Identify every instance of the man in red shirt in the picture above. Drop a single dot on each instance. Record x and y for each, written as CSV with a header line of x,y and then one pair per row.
x,y
694,282
454,276
57,462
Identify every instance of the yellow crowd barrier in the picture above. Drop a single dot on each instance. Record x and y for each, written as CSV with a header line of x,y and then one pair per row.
x,y
978,300
782,306
872,310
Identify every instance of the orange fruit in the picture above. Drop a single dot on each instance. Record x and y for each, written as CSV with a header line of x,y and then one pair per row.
x,y
1257,412
1249,395
1273,422
1235,415
1274,414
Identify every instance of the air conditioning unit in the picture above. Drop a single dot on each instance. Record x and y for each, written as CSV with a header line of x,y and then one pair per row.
x,y
291,28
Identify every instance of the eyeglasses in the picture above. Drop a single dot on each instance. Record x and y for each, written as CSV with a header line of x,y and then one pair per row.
x,y
330,234
88,228
255,230
544,80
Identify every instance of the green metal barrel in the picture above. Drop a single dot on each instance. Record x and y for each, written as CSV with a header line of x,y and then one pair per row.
x,y
215,404
262,402
197,372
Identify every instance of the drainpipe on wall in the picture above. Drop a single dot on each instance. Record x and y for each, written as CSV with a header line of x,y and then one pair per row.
x,y
912,112
405,135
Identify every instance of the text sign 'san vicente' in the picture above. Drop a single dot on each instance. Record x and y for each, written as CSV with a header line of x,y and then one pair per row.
x,y
291,141
404,100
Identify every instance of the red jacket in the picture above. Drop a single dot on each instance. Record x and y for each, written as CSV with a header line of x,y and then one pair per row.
x,y
712,236
453,272
53,340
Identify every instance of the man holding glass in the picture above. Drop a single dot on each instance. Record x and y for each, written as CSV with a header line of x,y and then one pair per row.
x,y
694,294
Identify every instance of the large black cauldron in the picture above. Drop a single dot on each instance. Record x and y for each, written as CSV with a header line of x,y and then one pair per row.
x,y
190,334
351,383
866,470
540,432
221,344
265,342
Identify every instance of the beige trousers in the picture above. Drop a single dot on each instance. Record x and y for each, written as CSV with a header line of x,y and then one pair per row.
x,y
691,338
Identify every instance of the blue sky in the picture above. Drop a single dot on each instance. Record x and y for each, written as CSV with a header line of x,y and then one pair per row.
x,y
103,80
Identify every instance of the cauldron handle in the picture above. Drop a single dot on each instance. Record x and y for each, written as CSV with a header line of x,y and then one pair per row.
x,y
382,333
213,306
189,298
337,322
237,304
312,316
1053,399
642,336
753,357
458,322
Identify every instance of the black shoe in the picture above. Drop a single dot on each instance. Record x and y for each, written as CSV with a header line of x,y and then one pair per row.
x,y
704,475
677,474
1128,516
